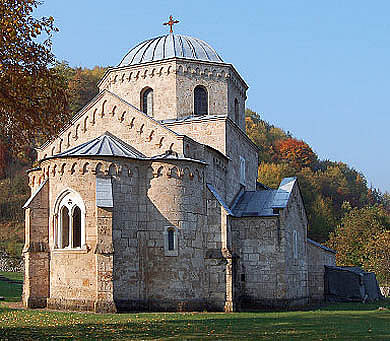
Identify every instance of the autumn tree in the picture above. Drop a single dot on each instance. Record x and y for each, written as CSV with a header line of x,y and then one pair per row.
x,y
378,257
297,153
33,95
355,237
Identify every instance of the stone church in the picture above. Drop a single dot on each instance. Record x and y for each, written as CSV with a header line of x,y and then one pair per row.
x,y
149,200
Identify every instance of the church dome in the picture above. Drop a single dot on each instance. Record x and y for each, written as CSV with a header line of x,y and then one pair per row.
x,y
169,46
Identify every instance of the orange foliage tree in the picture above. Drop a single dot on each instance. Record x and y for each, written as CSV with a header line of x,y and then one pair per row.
x,y
33,95
297,153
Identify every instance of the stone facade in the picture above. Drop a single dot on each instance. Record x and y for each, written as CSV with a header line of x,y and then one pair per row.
x,y
318,256
137,212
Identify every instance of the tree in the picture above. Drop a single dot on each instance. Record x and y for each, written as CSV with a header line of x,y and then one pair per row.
x,y
354,239
33,95
297,153
378,257
82,86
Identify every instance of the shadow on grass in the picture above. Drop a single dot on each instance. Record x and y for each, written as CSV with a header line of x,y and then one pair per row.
x,y
248,326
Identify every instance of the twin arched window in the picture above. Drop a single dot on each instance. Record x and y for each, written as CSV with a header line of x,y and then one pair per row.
x,y
147,101
200,101
69,221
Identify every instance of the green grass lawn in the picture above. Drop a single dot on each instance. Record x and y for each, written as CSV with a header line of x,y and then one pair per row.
x,y
352,321
11,291
338,321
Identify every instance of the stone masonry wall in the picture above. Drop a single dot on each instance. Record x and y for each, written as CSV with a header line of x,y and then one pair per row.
x,y
317,259
36,250
258,268
110,113
72,274
129,83
167,194
293,218
173,82
238,144
215,263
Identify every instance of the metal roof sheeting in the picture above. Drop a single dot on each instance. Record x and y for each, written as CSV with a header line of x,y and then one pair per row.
x,y
104,145
255,204
283,193
169,46
262,203
29,201
219,199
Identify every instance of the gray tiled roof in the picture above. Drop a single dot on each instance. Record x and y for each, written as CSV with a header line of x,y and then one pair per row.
x,y
104,145
169,46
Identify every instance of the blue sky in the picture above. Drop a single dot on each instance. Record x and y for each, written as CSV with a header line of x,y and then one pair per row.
x,y
319,69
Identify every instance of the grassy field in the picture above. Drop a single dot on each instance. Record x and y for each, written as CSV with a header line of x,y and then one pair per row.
x,y
353,321
11,291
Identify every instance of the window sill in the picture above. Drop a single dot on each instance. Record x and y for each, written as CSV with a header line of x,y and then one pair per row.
x,y
74,251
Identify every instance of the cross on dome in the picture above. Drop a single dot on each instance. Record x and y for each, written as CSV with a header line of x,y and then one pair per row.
x,y
171,22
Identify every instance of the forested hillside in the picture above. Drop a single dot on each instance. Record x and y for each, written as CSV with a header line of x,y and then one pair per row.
x,y
330,189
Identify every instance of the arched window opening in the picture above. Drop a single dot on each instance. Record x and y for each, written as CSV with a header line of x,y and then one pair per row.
x,y
69,221
147,101
76,223
236,111
200,101
171,240
65,227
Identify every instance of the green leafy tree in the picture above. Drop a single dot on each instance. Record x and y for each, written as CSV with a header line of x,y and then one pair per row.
x,y
354,238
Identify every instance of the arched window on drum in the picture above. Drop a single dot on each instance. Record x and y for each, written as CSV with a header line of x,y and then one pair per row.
x,y
147,101
200,100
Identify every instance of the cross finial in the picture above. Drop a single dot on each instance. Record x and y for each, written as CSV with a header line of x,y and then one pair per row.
x,y
171,22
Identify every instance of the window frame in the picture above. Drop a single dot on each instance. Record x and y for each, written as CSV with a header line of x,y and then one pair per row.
x,y
242,171
69,200
236,111
166,235
198,102
144,92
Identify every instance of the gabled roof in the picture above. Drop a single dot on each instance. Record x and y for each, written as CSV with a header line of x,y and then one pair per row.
x,y
320,245
29,201
262,203
283,193
104,145
219,199
255,204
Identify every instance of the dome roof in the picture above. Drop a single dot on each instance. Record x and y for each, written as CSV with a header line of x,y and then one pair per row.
x,y
169,46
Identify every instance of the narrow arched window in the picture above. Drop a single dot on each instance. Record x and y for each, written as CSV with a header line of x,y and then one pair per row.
x,y
200,101
76,225
147,101
236,111
171,239
64,222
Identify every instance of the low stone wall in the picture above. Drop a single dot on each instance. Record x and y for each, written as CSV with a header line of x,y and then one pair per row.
x,y
10,264
318,257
